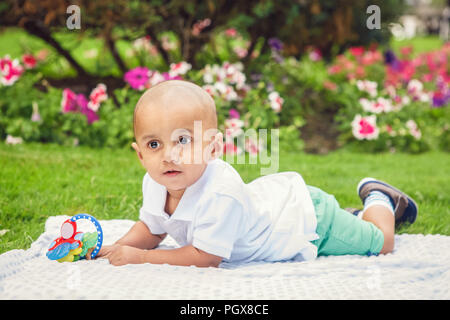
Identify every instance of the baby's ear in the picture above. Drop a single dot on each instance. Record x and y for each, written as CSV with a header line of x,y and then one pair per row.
x,y
217,145
135,146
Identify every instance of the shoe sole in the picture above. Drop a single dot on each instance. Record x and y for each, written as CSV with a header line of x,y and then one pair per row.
x,y
411,210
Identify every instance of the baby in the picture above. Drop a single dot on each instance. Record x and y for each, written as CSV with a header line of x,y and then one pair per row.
x,y
202,202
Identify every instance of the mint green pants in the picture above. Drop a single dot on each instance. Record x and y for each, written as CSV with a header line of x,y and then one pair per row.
x,y
341,232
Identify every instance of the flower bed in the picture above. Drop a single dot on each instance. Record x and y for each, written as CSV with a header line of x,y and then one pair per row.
x,y
379,101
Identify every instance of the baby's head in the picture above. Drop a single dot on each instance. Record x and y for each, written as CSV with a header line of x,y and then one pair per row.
x,y
175,127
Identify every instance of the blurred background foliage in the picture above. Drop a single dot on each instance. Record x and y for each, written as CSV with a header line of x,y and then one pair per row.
x,y
283,49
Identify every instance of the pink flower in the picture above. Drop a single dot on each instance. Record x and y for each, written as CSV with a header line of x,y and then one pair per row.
x,y
240,52
42,54
29,61
72,102
137,78
97,96
10,70
427,77
389,129
371,57
69,101
315,55
365,127
356,51
334,69
200,25
234,114
276,102
251,146
360,72
406,51
330,85
89,113
168,76
35,117
230,148
231,32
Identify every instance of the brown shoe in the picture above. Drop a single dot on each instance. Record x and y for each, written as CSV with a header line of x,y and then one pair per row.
x,y
405,209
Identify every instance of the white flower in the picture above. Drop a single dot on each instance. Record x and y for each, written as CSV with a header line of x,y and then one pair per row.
x,y
415,86
179,68
368,86
208,76
366,104
424,97
97,96
391,91
13,140
413,129
377,106
220,87
276,102
210,89
142,43
233,127
230,94
155,78
415,89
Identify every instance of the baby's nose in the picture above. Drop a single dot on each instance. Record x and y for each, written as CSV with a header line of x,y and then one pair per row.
x,y
172,154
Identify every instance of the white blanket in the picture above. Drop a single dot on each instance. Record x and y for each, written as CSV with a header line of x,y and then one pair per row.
x,y
419,268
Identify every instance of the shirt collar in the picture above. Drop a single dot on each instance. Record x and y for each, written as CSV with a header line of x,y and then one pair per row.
x,y
186,207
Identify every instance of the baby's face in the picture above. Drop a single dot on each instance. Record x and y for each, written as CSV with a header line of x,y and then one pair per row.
x,y
166,144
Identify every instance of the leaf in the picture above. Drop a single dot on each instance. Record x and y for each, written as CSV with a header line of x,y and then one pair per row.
x,y
2,232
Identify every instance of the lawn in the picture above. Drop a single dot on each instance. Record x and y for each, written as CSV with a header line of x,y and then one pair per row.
x,y
38,181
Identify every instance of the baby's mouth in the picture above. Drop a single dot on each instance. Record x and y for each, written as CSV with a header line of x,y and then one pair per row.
x,y
171,172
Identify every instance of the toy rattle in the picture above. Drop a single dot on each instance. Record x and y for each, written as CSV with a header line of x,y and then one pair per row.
x,y
72,245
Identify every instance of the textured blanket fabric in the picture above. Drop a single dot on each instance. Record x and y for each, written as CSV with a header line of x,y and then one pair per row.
x,y
419,268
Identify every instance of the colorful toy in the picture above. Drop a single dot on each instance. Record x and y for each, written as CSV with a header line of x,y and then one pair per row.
x,y
72,245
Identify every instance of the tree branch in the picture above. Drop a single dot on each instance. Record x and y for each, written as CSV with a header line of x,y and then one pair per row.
x,y
112,48
158,45
37,29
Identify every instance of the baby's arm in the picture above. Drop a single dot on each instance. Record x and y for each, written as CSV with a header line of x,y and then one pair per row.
x,y
184,256
119,255
139,236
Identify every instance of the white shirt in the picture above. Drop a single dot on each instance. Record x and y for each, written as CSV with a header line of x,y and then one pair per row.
x,y
272,218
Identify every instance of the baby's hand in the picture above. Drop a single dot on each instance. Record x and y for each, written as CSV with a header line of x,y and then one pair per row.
x,y
120,255
105,250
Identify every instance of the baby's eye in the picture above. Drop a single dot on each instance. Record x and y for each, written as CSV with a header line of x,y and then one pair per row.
x,y
153,144
184,139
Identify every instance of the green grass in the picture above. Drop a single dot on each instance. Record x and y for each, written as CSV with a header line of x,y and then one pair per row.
x,y
38,181
419,44
15,42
